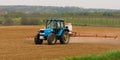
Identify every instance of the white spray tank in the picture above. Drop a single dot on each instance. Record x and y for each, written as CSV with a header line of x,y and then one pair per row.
x,y
69,25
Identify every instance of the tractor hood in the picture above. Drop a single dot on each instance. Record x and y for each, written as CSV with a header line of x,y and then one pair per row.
x,y
47,31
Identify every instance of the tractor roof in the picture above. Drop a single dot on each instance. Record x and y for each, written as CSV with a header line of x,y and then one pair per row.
x,y
56,19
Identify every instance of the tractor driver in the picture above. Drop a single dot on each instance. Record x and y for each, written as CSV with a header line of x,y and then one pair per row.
x,y
58,24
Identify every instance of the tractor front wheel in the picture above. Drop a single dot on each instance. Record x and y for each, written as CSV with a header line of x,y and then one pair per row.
x,y
51,39
37,40
64,39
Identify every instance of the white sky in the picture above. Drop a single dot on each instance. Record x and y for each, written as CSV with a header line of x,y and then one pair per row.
x,y
107,4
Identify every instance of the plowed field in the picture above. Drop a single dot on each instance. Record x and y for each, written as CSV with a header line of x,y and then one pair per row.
x,y
15,45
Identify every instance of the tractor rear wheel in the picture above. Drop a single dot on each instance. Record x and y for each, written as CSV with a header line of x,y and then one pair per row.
x,y
37,40
64,39
51,39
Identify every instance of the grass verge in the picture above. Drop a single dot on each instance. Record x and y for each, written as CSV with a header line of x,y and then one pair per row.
x,y
110,55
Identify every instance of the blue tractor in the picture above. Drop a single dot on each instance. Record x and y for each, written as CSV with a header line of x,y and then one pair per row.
x,y
54,30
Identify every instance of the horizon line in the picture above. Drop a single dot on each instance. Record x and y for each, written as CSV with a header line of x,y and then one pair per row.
x,y
63,6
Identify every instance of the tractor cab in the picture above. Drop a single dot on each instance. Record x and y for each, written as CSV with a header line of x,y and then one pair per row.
x,y
54,30
55,24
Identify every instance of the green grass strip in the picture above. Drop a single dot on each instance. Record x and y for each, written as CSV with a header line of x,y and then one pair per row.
x,y
111,55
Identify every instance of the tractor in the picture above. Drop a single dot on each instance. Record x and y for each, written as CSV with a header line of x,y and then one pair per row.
x,y
54,30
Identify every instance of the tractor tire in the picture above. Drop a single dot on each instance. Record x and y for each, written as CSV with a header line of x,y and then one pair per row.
x,y
37,40
51,39
64,39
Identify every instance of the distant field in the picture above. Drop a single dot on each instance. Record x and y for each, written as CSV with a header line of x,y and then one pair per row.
x,y
92,21
75,20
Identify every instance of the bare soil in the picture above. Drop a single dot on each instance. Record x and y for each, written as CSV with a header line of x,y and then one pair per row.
x,y
14,45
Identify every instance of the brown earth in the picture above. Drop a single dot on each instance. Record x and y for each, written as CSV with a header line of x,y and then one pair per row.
x,y
14,45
